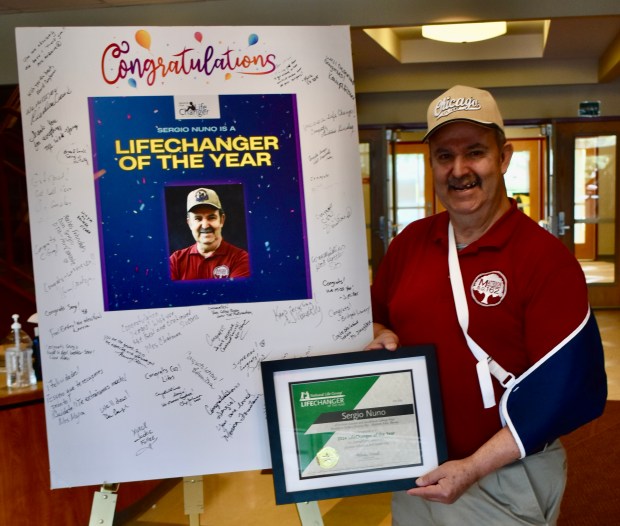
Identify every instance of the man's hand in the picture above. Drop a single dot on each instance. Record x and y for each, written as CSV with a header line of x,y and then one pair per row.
x,y
384,338
450,480
447,482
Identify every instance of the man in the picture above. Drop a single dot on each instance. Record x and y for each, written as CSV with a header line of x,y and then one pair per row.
x,y
210,257
522,301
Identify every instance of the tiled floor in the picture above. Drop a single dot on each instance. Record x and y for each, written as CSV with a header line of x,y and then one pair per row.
x,y
246,499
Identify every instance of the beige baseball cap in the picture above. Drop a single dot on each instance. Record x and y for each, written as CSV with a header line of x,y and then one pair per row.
x,y
462,103
204,197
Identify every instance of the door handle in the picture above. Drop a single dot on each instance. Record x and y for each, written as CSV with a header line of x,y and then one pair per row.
x,y
562,226
382,229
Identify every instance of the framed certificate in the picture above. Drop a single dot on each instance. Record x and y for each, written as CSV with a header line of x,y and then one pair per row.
x,y
353,423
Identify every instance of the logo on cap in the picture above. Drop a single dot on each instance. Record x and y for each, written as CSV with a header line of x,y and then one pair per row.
x,y
201,195
448,105
462,103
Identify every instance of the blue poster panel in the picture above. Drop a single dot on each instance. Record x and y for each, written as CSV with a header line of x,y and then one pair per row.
x,y
245,148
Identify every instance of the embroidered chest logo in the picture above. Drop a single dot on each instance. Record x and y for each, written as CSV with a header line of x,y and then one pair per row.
x,y
221,272
489,289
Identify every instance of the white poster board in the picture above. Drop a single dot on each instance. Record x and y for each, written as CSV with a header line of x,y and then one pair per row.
x,y
149,377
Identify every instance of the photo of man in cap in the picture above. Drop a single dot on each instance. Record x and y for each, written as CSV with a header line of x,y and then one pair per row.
x,y
211,257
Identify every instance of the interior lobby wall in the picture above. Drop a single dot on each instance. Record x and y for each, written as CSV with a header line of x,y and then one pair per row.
x,y
524,103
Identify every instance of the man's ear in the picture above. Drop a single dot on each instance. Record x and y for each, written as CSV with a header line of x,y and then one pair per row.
x,y
506,156
222,217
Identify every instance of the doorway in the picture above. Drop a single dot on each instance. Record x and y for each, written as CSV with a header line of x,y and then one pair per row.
x,y
398,185
586,197
373,161
577,200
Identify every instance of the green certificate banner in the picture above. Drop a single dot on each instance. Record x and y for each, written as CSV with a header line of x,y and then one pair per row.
x,y
354,424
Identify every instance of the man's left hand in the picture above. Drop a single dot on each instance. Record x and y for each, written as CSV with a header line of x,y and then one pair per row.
x,y
450,480
447,482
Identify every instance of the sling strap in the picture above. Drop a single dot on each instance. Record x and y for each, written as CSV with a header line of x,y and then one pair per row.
x,y
486,365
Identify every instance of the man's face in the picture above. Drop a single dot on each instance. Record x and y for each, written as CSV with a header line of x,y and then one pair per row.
x,y
468,168
206,224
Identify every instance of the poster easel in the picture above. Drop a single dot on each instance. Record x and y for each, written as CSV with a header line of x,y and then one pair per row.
x,y
104,502
309,513
193,499
104,505
114,139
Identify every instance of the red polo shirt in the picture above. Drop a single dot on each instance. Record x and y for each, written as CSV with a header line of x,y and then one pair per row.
x,y
525,292
228,261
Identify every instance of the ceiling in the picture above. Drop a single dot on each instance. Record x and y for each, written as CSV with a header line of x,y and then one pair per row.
x,y
32,6
576,49
573,51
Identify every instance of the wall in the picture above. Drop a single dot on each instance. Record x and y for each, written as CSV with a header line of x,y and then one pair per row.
x,y
355,13
516,103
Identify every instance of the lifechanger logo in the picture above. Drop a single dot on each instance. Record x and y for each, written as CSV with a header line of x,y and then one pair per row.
x,y
329,399
196,107
119,61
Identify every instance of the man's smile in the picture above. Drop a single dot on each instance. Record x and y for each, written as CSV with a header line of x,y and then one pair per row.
x,y
464,183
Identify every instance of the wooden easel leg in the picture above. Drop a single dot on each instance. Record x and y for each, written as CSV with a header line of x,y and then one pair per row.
x,y
309,513
193,498
104,505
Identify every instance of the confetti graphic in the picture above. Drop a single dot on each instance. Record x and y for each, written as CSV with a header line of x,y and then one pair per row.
x,y
143,38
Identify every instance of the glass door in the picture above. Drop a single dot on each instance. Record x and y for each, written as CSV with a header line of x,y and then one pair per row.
x,y
587,195
411,193
373,160
411,188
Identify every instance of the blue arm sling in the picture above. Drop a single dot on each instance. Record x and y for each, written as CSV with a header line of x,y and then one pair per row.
x,y
559,393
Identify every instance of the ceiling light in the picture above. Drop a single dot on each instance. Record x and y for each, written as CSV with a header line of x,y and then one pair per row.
x,y
464,32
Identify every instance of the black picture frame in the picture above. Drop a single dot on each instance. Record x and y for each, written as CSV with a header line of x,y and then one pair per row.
x,y
296,479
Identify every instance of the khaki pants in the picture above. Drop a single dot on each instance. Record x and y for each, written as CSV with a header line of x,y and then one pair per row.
x,y
526,492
